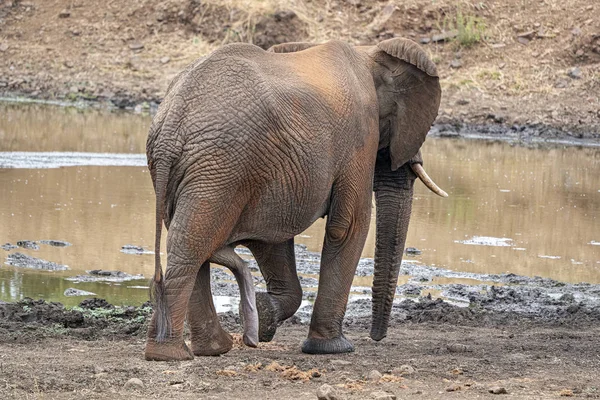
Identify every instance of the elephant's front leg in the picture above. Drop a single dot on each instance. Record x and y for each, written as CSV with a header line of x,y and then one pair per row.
x,y
277,264
208,337
345,235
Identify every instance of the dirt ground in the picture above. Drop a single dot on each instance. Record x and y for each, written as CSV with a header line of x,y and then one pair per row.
x,y
436,351
536,66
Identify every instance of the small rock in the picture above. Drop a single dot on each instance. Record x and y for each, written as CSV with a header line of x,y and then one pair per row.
x,y
3,47
327,392
425,40
69,64
64,14
457,348
165,60
136,46
566,393
74,89
523,41
404,370
134,384
374,375
8,246
498,45
561,83
567,297
340,362
574,73
501,65
576,31
98,369
461,102
413,251
498,390
76,292
527,35
442,37
453,388
456,64
28,244
381,395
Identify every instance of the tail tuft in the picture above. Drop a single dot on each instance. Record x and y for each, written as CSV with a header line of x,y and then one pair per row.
x,y
161,310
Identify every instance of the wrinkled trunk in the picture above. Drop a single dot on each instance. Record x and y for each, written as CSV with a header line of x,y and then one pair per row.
x,y
393,197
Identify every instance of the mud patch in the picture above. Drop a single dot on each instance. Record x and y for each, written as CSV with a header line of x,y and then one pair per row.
x,y
99,275
25,261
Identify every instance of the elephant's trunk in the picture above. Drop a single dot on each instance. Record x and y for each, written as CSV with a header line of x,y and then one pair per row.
x,y
393,197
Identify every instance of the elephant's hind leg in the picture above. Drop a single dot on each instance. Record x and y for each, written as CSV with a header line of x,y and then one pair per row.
x,y
227,257
208,337
277,263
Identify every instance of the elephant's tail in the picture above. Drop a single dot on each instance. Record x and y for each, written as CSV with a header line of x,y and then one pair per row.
x,y
157,284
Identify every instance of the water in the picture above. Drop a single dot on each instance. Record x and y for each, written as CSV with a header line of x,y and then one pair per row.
x,y
532,212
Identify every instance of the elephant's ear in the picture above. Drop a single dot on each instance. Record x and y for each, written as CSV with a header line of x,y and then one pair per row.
x,y
291,47
409,95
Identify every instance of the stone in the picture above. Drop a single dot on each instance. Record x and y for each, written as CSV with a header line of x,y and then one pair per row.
x,y
442,37
3,47
497,45
404,369
498,390
413,251
165,60
457,348
340,362
374,375
574,73
456,64
453,388
381,395
71,292
136,46
134,384
527,35
561,83
64,14
69,64
523,41
327,392
425,40
28,244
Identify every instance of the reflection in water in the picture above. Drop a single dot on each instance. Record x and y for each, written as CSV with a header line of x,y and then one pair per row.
x,y
546,201
36,127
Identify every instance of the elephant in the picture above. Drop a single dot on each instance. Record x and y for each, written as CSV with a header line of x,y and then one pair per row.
x,y
250,147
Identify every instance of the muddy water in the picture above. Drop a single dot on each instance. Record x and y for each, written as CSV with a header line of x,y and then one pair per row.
x,y
532,212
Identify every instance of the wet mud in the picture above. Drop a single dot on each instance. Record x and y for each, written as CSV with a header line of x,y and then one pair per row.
x,y
24,261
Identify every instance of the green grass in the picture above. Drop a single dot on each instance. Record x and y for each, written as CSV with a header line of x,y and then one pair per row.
x,y
470,28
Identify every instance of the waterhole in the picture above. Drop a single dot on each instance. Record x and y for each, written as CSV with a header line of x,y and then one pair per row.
x,y
79,176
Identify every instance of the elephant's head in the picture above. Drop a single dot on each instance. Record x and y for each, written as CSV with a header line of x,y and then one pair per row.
x,y
408,93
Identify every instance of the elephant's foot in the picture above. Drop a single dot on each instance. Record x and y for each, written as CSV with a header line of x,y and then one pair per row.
x,y
173,350
327,346
214,345
268,316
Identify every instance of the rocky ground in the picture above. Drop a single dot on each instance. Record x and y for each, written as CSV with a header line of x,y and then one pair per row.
x,y
503,334
507,66
433,350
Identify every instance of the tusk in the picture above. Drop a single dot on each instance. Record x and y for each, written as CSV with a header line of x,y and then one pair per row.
x,y
420,172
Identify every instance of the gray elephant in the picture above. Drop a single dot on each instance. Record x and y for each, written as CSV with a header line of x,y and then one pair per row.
x,y
250,147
